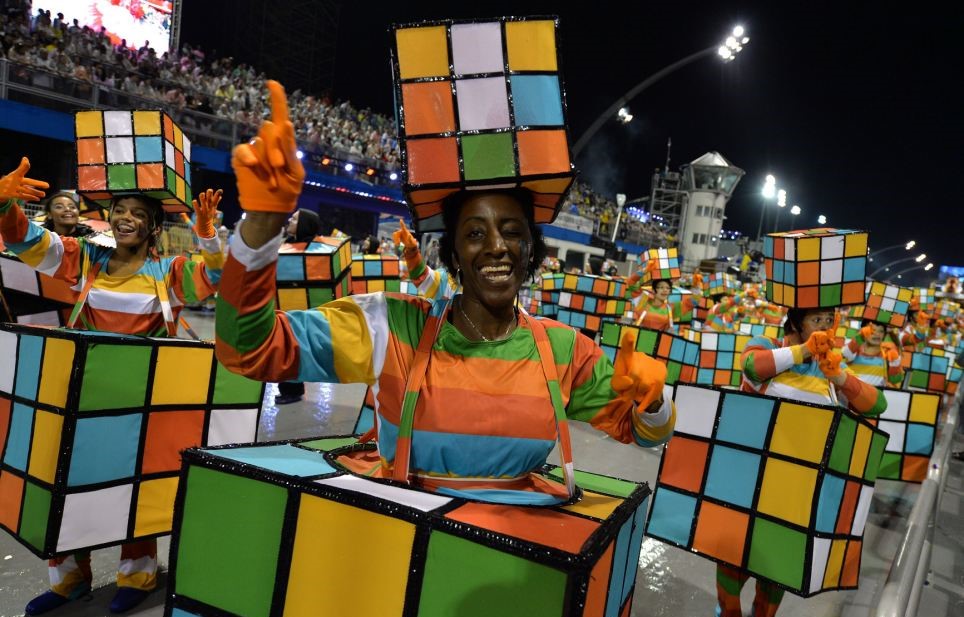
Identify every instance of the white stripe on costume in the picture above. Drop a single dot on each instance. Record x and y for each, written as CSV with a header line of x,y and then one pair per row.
x,y
375,309
53,257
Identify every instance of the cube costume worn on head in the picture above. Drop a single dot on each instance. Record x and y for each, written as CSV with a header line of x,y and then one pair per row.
x,y
887,305
662,264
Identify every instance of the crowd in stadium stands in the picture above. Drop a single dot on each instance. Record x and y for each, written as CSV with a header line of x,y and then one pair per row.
x,y
189,79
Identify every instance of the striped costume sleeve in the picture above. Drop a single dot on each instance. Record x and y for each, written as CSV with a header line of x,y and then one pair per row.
x,y
895,372
861,396
48,253
592,399
763,359
851,348
432,284
332,343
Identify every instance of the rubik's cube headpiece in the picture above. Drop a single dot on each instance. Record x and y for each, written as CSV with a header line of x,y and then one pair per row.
x,y
815,268
142,152
480,105
662,264
886,304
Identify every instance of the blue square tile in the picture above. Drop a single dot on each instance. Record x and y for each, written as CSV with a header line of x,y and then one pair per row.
x,y
589,305
727,342
745,420
778,271
28,366
676,350
105,449
920,439
790,273
831,492
920,362
691,355
854,269
18,437
148,149
724,360
732,476
291,268
768,246
286,459
373,268
536,100
671,517
583,283
705,376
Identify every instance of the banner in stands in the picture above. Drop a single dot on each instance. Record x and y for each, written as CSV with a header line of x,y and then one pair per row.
x,y
574,222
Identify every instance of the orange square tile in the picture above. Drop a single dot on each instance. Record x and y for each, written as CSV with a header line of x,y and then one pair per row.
x,y
390,267
914,468
432,160
808,297
721,378
169,432
779,248
851,565
92,178
708,359
808,273
684,461
318,268
90,151
150,176
168,129
848,506
428,108
853,293
11,496
721,533
543,152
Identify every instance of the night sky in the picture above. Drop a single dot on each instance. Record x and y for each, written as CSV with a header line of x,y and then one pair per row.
x,y
855,108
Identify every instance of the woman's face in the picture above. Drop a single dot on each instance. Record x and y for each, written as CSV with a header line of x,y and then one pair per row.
x,y
493,248
814,321
662,290
63,212
292,227
132,222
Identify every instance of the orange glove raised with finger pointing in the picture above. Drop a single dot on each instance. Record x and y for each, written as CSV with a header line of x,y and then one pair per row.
x,y
16,184
866,331
923,319
636,376
206,210
820,342
404,237
889,352
269,173
830,364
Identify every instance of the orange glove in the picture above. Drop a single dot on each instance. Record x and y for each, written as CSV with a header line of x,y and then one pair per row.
x,y
185,218
866,331
651,268
697,280
923,319
205,211
830,364
404,237
268,171
820,343
889,352
939,324
15,185
637,376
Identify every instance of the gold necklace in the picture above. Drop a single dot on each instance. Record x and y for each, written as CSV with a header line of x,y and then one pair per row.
x,y
477,331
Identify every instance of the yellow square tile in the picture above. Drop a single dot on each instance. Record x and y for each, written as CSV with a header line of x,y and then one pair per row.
x,y
376,285
855,245
861,445
55,374
182,375
808,249
147,123
330,528
531,45
595,505
801,431
787,491
45,445
178,138
904,294
924,407
422,52
357,268
789,296
89,124
155,506
180,189
834,563
292,299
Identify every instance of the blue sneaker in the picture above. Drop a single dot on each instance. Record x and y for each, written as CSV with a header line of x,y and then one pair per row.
x,y
49,600
127,598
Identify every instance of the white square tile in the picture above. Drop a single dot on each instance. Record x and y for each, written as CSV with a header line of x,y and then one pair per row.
x,y
898,404
483,103
169,155
818,565
120,149
832,247
95,517
477,48
896,432
118,123
790,250
19,276
696,410
863,508
413,499
230,426
831,271
8,361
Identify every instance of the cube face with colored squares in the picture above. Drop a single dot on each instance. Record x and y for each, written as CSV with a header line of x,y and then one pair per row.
x,y
925,298
310,274
815,268
480,104
371,273
587,301
91,427
577,559
767,330
911,423
141,151
928,370
776,488
32,297
721,283
945,309
667,265
886,304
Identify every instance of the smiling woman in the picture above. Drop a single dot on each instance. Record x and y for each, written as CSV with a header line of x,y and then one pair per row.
x,y
63,215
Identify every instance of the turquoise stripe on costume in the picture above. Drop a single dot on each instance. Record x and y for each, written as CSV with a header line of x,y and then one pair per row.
x,y
460,454
286,459
317,357
521,498
35,234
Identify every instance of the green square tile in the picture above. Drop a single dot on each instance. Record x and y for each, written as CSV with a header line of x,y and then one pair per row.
x,y
672,372
646,342
777,553
393,285
229,542
919,379
843,444
329,443
877,444
161,195
890,466
171,179
36,510
830,295
599,484
496,583
488,156
230,388
610,335
121,177
115,377
319,295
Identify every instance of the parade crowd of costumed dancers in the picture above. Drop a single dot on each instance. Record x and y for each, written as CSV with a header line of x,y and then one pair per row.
x,y
476,334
